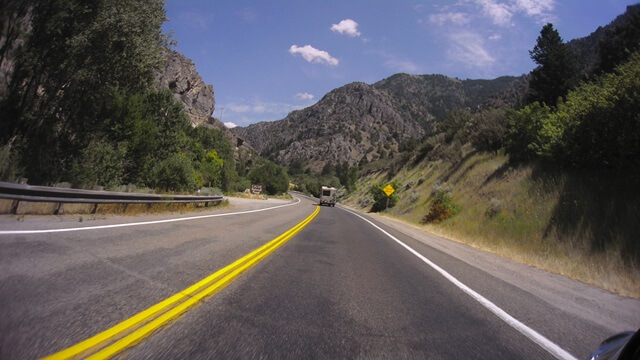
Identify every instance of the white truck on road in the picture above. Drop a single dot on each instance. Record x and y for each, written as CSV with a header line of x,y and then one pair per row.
x,y
328,196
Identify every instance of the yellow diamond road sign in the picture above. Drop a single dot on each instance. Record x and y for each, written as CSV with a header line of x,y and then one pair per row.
x,y
388,190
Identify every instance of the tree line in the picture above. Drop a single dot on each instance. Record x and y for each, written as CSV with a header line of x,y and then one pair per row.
x,y
582,122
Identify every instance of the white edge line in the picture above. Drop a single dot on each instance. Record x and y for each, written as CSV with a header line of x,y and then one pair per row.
x,y
545,343
17,232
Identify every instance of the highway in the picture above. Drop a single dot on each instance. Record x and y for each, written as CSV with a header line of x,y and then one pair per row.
x,y
325,282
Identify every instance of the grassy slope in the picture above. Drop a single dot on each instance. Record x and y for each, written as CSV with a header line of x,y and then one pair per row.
x,y
580,224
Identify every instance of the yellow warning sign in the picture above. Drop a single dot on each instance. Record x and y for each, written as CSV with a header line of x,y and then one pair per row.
x,y
388,190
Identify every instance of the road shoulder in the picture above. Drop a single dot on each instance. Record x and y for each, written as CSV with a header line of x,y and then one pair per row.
x,y
611,311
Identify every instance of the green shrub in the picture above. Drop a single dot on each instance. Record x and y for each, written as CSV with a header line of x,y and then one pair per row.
x,y
99,164
273,178
451,126
603,119
312,186
532,132
442,207
242,184
487,129
174,173
425,148
211,169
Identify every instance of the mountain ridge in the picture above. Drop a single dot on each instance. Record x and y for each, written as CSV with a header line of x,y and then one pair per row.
x,y
361,122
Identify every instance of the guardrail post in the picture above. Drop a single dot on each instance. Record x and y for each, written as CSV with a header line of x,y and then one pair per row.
x,y
14,206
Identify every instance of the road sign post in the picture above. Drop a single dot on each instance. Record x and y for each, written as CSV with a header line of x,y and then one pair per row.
x,y
388,190
256,189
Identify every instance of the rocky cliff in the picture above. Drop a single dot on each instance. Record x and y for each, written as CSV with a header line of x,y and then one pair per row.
x,y
180,76
348,124
428,99
361,122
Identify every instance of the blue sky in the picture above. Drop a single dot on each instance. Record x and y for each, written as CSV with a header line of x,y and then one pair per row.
x,y
267,58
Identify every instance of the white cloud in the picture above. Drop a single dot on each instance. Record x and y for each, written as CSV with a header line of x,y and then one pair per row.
x,y
495,37
230,125
346,27
535,7
248,14
304,96
258,107
538,9
238,108
195,20
468,48
453,17
243,112
313,55
397,64
500,13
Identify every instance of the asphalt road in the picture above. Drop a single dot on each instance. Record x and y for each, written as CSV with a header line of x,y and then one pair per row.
x,y
340,288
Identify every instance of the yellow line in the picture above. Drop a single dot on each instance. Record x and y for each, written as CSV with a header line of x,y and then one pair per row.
x,y
172,307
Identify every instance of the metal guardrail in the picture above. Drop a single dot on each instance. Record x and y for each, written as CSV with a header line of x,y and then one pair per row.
x,y
19,192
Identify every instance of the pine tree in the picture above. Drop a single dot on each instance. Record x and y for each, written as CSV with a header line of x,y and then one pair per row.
x,y
556,73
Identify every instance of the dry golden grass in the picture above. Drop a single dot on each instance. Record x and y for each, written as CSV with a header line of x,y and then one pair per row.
x,y
515,212
243,195
44,208
605,271
5,206
36,208
137,209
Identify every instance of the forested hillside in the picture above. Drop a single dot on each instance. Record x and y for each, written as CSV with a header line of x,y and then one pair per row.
x,y
92,95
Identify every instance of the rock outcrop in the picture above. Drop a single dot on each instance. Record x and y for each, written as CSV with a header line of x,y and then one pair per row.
x,y
361,122
180,76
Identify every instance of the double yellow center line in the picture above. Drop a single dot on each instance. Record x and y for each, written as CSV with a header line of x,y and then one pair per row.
x,y
129,332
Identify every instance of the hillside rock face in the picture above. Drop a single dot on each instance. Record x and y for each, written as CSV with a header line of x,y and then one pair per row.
x,y
361,122
180,76
348,124
428,99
